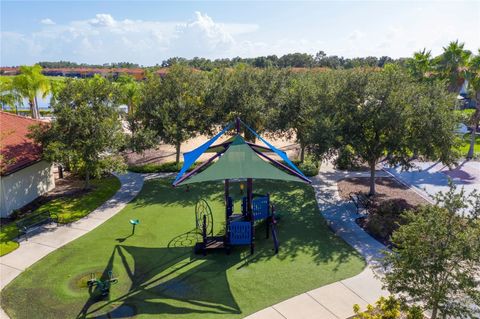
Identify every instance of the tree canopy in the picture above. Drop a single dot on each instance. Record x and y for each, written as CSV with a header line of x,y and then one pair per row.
x,y
435,259
173,105
85,133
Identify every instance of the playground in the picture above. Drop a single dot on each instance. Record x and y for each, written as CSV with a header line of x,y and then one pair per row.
x,y
236,234
158,271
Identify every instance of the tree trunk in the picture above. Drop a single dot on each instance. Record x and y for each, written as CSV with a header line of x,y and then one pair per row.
x,y
434,313
60,171
32,108
476,119
472,142
372,178
302,152
37,112
177,150
87,179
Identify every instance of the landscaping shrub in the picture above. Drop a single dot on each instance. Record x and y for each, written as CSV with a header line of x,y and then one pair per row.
x,y
168,167
309,167
388,308
383,220
347,159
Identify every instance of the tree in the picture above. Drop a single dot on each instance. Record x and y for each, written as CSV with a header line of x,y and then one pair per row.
x,y
435,259
8,95
244,92
130,94
297,60
129,90
379,113
85,132
56,86
473,77
303,105
420,65
173,106
29,83
451,64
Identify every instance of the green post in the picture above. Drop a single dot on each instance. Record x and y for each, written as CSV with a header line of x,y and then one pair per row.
x,y
134,223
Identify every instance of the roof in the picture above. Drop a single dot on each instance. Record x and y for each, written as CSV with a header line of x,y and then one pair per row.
x,y
17,150
240,161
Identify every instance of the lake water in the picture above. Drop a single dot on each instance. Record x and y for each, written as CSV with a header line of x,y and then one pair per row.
x,y
43,103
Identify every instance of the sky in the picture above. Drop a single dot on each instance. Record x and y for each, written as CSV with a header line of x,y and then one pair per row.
x,y
148,32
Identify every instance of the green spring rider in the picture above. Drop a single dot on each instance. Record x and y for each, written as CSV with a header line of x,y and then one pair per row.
x,y
103,285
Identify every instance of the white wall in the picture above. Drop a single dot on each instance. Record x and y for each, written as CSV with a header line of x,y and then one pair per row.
x,y
23,186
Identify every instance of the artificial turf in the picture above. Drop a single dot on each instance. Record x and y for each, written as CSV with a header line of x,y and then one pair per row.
x,y
160,277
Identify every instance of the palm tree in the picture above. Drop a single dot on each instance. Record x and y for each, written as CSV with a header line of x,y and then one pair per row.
x,y
31,82
8,95
129,92
451,64
420,65
472,74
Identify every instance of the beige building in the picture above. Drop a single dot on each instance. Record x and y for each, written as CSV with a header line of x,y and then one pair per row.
x,y
24,176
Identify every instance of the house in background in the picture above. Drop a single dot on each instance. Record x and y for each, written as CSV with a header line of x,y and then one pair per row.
x,y
24,176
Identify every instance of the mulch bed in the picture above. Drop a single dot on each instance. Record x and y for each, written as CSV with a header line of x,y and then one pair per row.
x,y
390,200
387,188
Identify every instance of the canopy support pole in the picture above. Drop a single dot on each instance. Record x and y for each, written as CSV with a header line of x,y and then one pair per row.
x,y
227,194
237,125
250,212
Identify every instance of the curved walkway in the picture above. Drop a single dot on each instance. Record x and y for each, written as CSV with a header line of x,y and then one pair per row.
x,y
39,245
335,301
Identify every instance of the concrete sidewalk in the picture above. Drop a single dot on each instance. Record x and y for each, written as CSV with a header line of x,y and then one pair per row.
x,y
335,301
430,178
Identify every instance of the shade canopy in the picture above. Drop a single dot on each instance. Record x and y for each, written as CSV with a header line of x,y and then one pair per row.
x,y
238,159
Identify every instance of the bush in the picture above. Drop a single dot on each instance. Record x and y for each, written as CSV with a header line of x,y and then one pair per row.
x,y
384,219
388,308
309,168
347,159
168,167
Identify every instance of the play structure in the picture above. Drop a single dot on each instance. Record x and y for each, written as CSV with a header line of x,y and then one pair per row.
x,y
237,160
102,285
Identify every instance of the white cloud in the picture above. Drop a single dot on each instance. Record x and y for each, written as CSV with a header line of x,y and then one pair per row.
x,y
47,21
103,20
105,39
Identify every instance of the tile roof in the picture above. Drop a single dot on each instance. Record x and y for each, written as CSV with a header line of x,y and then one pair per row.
x,y
17,150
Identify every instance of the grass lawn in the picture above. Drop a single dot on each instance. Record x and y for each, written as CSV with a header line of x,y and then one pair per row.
x,y
68,209
160,277
466,145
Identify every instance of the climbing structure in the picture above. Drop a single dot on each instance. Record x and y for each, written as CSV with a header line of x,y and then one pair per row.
x,y
237,159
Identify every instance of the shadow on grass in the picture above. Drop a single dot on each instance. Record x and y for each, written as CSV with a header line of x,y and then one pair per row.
x,y
162,274
185,195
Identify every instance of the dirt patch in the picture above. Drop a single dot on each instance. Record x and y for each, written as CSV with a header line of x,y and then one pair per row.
x,y
392,198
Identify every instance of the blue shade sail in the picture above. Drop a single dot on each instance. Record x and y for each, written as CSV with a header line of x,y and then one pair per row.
x,y
189,158
280,153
